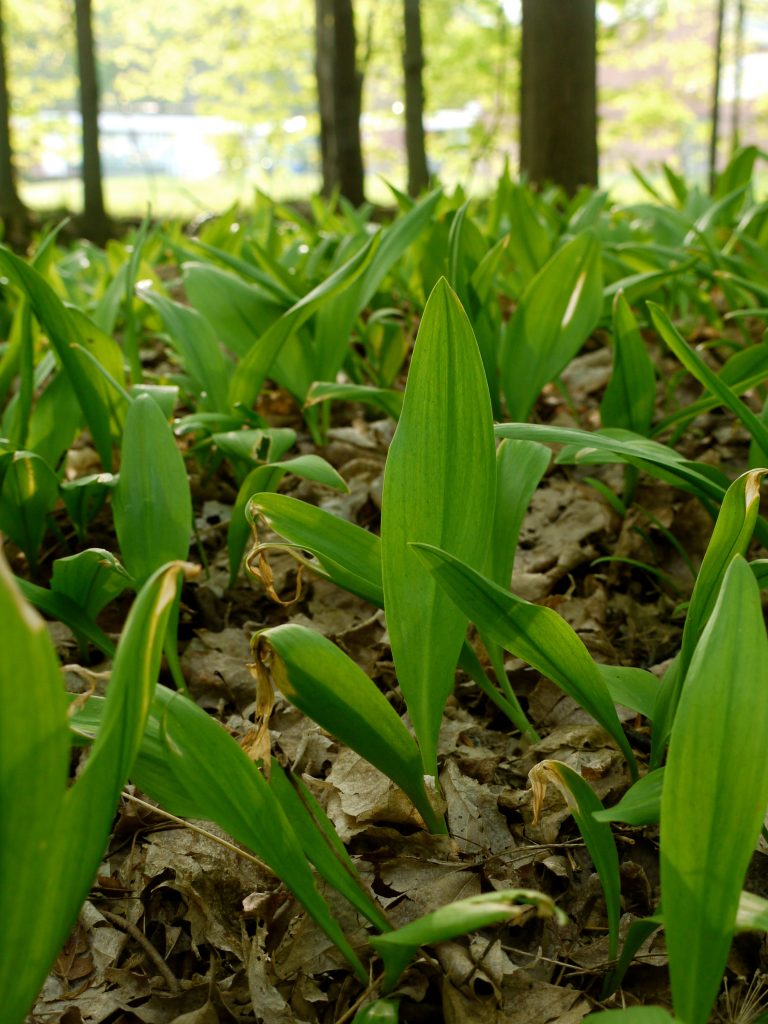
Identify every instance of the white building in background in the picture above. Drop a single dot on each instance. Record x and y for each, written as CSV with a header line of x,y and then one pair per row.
x,y
188,146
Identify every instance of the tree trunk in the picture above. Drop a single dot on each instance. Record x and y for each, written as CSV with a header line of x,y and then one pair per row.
x,y
715,112
12,211
339,87
413,65
95,223
738,74
558,93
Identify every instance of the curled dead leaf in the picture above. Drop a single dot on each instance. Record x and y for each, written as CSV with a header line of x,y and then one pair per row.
x,y
540,776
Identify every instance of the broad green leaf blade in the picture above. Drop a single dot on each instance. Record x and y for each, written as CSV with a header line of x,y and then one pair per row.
x,y
260,479
640,805
699,369
382,1011
151,502
321,845
267,478
520,465
639,930
558,311
635,688
76,825
343,552
439,488
29,492
715,786
60,325
632,1015
630,397
253,368
255,446
656,459
194,769
730,537
238,312
195,341
396,948
532,632
327,686
60,607
34,763
752,914
598,838
91,578
336,318
745,370
386,399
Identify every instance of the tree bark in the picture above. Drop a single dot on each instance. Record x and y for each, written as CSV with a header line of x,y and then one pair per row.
x,y
95,223
339,87
413,66
558,93
715,111
12,211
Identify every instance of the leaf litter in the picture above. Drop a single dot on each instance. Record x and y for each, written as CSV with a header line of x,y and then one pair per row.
x,y
237,947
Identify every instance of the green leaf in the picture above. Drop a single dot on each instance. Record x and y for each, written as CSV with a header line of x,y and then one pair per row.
x,y
439,477
622,446
696,366
193,768
195,341
62,328
151,501
34,755
327,686
730,537
396,948
342,552
558,311
52,837
598,838
520,466
336,318
91,578
635,688
640,805
629,399
535,633
268,478
253,368
58,606
321,844
238,312
386,399
29,492
715,786
382,1011
633,1015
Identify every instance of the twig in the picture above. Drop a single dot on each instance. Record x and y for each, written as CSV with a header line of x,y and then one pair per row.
x,y
200,831
138,936
360,1000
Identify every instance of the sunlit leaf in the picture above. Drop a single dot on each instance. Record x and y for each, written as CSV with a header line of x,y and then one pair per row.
x,y
439,486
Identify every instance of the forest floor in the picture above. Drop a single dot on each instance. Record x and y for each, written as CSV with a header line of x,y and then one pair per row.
x,y
182,927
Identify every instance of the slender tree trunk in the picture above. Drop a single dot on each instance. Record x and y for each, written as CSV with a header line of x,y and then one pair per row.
x,y
558,94
339,87
738,74
413,66
12,210
715,112
95,223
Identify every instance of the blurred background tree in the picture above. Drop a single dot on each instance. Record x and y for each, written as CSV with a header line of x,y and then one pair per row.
x,y
203,102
